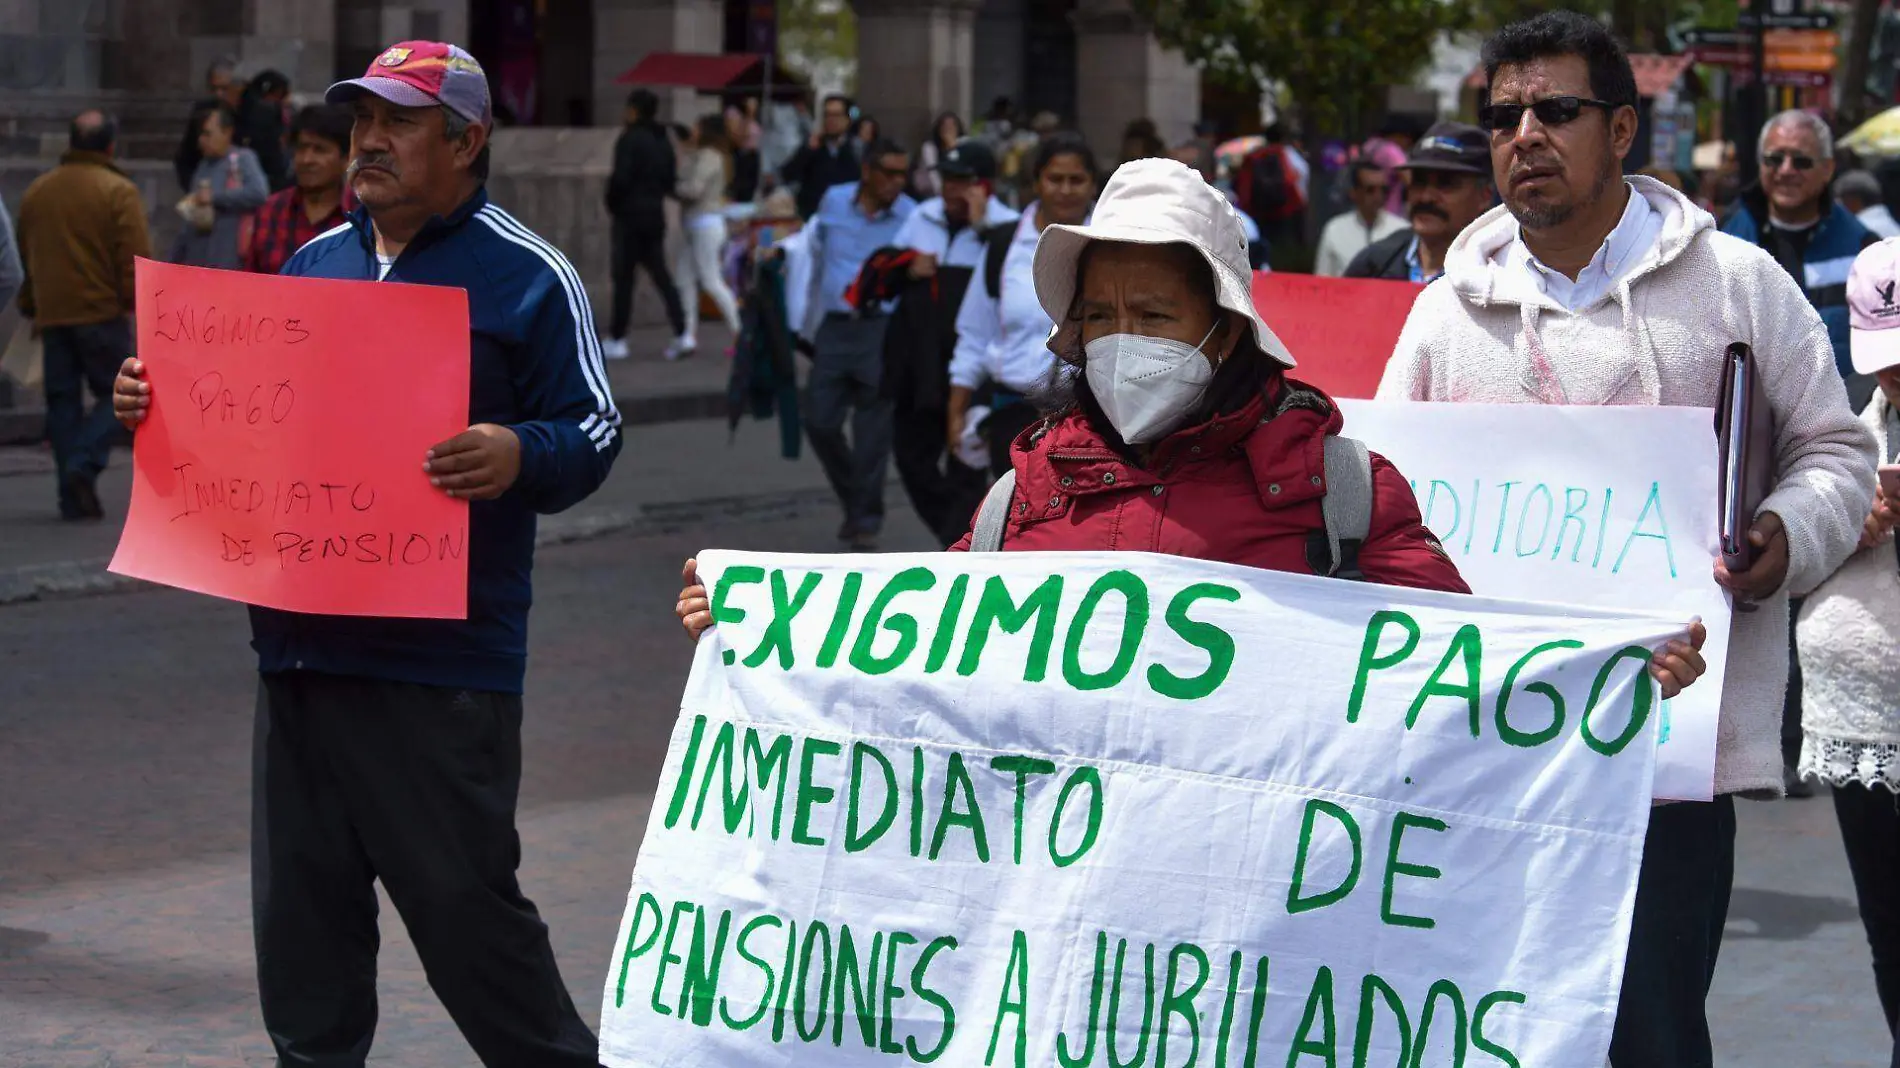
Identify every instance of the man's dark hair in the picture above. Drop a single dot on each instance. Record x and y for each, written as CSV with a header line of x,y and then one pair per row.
x,y
332,122
1275,133
882,147
1059,144
644,103
1362,166
93,131
849,104
453,127
267,83
225,114
1565,33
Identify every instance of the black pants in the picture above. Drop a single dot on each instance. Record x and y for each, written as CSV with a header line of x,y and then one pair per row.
x,y
847,369
944,491
356,780
78,359
1791,699
1870,829
1682,897
645,249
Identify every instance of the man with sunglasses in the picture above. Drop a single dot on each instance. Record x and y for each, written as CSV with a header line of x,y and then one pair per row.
x,y
852,221
1447,186
1347,234
1792,213
1587,287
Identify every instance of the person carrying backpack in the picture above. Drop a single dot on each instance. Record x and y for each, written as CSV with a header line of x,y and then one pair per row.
x,y
1272,187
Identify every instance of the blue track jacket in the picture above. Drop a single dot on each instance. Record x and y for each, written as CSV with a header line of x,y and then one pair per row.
x,y
534,367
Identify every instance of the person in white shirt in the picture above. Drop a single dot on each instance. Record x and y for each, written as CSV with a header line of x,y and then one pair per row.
x,y
1002,331
1586,287
1345,234
948,234
1859,192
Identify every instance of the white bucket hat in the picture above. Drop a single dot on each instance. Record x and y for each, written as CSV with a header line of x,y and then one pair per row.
x,y
1154,202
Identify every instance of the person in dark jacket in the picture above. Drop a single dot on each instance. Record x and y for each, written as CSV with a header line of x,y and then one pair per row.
x,y
263,125
226,89
646,172
950,234
1792,214
1447,186
829,158
390,749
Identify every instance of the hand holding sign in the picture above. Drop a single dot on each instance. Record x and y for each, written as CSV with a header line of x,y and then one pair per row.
x,y
478,464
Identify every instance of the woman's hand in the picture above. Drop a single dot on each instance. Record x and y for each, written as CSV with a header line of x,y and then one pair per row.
x,y
694,610
1677,664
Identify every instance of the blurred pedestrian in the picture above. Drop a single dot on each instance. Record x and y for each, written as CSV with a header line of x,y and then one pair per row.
x,y
1447,186
948,235
645,174
1141,139
829,158
742,135
1847,634
1344,236
865,131
318,198
1792,214
1859,193
1390,148
263,125
226,188
389,750
705,172
853,221
82,225
944,134
1590,288
1002,354
1271,187
226,88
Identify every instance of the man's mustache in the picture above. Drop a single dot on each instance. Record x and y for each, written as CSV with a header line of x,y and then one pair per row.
x,y
381,161
1429,209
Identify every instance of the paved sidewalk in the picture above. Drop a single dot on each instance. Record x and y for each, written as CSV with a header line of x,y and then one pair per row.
x,y
668,478
647,387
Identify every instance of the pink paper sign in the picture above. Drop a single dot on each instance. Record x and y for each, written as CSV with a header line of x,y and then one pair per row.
x,y
281,461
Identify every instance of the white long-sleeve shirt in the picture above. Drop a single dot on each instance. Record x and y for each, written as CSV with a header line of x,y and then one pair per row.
x,y
1005,339
928,232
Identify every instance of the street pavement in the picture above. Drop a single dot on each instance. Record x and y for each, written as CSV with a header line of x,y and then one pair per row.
x,y
124,786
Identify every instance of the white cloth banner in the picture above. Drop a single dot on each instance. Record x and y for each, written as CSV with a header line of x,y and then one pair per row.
x,y
1118,809
1608,507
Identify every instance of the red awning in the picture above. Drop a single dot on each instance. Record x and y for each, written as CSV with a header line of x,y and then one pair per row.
x,y
1654,73
709,73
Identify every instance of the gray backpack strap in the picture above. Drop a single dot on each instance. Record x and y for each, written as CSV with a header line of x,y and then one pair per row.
x,y
987,535
1346,509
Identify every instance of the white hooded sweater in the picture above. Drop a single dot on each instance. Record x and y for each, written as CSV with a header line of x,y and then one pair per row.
x,y
1484,333
1848,633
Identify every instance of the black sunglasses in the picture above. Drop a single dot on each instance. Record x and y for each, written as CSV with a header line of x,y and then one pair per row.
x,y
1552,111
1774,160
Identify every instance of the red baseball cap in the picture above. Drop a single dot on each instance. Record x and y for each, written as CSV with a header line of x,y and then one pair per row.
x,y
418,74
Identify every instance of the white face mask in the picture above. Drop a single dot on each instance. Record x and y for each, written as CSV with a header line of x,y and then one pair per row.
x,y
1146,385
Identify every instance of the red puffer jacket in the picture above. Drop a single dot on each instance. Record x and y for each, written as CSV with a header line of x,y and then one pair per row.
x,y
1242,489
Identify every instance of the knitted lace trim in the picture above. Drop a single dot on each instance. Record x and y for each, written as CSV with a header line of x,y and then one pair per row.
x,y
1839,762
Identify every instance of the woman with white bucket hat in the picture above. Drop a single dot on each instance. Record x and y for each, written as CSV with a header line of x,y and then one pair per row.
x,y
1174,425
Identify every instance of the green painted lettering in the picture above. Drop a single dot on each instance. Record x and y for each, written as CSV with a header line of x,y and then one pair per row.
x,y
902,624
810,794
1296,903
1550,693
1134,624
1371,660
1210,639
996,609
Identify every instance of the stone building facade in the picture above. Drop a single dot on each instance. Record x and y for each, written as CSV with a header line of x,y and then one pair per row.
x,y
553,63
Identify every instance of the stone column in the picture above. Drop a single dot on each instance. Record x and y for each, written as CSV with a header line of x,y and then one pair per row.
x,y
625,31
914,61
1123,73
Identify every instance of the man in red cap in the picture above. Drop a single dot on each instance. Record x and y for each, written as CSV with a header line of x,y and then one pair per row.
x,y
390,749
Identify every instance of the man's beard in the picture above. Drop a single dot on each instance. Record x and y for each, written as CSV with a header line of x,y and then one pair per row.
x,y
1553,215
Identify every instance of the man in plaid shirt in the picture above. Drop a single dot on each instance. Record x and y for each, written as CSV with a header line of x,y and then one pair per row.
x,y
314,203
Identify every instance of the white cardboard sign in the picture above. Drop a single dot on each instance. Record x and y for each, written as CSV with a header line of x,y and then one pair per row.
x,y
1115,808
1612,507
